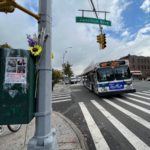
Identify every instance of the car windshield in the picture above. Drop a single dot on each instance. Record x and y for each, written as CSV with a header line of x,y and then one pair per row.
x,y
105,74
122,72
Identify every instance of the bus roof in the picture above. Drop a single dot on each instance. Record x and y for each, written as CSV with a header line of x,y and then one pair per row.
x,y
113,63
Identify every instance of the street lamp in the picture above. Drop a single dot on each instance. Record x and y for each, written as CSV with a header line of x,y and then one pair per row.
x,y
65,54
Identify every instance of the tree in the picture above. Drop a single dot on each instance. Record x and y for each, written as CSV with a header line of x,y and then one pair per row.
x,y
56,75
5,46
67,70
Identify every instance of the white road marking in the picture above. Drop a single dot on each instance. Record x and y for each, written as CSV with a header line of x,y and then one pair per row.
x,y
96,134
139,96
137,100
130,114
61,97
143,93
133,105
148,92
59,101
130,136
60,93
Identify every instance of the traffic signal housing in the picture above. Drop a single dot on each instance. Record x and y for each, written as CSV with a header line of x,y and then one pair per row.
x,y
101,39
6,6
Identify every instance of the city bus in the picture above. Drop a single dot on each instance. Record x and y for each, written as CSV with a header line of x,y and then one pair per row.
x,y
108,78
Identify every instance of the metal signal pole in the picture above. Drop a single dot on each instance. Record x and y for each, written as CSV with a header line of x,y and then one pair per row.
x,y
44,137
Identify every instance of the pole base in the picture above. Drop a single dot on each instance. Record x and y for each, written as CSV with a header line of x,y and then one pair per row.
x,y
43,143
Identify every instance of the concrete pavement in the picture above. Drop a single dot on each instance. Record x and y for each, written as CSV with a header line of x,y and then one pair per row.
x,y
68,135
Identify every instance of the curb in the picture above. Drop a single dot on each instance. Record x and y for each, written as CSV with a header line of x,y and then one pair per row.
x,y
76,130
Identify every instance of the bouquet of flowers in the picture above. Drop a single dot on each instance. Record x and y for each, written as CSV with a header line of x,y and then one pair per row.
x,y
35,47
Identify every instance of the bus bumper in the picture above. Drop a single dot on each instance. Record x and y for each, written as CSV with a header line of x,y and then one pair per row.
x,y
117,92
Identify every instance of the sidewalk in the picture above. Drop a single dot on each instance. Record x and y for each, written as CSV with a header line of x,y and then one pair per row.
x,y
68,135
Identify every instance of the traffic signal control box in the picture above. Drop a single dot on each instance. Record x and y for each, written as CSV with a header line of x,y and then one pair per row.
x,y
17,86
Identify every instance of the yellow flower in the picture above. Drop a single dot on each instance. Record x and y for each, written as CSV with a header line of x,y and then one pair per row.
x,y
36,50
52,55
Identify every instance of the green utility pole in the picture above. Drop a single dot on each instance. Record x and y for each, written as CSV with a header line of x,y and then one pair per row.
x,y
44,137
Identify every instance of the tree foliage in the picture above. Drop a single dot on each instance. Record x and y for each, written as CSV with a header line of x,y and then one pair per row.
x,y
5,46
67,69
56,75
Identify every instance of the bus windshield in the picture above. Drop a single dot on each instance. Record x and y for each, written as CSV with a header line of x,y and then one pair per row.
x,y
105,74
110,74
122,72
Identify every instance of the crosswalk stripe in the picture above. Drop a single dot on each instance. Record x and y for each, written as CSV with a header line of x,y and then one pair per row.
x,y
129,135
138,96
59,101
148,92
133,105
62,98
137,100
143,93
96,134
128,113
60,93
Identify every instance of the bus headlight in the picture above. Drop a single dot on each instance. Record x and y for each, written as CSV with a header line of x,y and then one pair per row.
x,y
128,82
104,89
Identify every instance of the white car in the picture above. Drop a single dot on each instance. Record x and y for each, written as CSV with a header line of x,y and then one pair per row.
x,y
73,80
148,79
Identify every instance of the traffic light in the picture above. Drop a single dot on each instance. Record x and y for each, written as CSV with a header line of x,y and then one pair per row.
x,y
101,39
6,6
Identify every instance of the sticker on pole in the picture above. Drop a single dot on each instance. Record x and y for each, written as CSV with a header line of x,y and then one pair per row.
x,y
16,70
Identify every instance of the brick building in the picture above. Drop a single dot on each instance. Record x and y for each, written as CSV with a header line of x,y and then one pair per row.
x,y
140,63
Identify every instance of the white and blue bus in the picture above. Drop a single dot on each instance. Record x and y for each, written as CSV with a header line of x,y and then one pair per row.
x,y
109,78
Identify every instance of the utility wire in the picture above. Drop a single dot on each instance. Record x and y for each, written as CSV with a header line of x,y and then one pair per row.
x,y
90,4
97,5
96,14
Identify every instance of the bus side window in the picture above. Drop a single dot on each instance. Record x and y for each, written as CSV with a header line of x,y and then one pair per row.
x,y
95,76
98,77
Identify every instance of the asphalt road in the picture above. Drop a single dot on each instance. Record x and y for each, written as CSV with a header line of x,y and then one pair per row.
x,y
115,123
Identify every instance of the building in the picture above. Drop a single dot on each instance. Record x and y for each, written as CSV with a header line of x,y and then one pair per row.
x,y
139,63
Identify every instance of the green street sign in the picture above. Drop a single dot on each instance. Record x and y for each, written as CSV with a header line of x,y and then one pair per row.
x,y
93,21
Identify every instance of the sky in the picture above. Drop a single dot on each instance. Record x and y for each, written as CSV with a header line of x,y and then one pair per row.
x,y
77,42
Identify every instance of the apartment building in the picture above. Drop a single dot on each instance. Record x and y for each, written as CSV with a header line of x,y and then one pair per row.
x,y
139,63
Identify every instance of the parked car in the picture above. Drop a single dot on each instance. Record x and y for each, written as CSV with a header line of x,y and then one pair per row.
x,y
67,80
148,79
73,80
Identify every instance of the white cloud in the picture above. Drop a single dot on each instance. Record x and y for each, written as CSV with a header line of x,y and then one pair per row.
x,y
146,6
82,37
125,34
14,27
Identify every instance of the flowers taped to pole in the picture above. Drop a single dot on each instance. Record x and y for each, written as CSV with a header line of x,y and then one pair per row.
x,y
36,50
35,47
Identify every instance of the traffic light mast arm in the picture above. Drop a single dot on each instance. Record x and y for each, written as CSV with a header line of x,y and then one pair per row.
x,y
25,10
